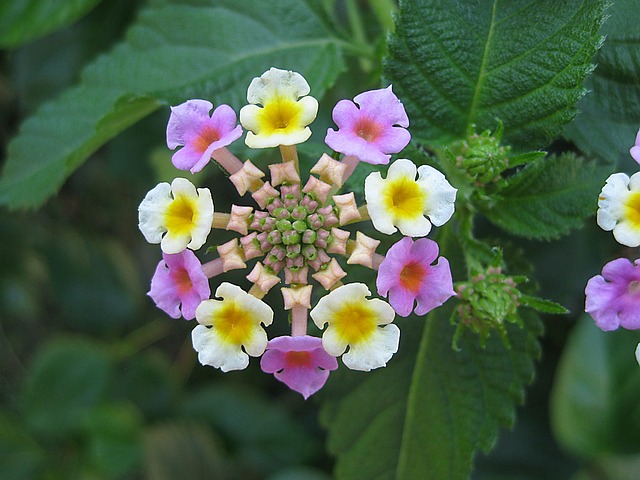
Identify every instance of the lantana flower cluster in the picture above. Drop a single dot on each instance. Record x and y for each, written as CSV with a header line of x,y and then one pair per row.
x,y
291,233
613,298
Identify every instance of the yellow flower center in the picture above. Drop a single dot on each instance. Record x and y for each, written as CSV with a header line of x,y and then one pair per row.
x,y
632,209
234,323
355,322
280,115
180,215
404,198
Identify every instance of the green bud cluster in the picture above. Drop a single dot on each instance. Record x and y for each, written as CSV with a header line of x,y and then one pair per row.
x,y
487,302
294,230
481,156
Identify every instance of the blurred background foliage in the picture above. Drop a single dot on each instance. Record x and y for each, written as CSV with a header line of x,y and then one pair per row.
x,y
96,383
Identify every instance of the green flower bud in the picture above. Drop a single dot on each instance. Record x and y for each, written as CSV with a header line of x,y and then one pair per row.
x,y
481,156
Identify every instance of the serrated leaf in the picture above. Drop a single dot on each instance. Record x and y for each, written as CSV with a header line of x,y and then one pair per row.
x,y
594,407
542,305
455,64
432,407
547,198
610,113
175,51
23,21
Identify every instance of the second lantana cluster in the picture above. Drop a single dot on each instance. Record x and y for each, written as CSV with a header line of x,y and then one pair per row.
x,y
613,298
294,232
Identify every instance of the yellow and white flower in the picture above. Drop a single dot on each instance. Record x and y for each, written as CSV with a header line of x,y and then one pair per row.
x,y
402,201
230,330
280,109
619,208
363,325
176,216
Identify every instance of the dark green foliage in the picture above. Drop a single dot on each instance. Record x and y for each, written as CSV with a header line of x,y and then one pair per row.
x,y
455,64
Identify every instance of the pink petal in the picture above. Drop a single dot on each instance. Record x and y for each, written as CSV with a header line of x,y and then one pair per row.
x,y
437,287
349,143
393,140
304,379
184,119
389,271
402,300
383,105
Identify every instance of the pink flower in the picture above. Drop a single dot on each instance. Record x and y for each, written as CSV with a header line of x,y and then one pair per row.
x,y
613,298
179,279
406,274
368,132
200,135
635,150
299,362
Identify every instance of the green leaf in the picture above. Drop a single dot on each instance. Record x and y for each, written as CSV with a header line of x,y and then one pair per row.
x,y
523,62
174,52
542,305
23,21
547,198
610,113
594,401
265,434
114,432
68,378
179,450
432,407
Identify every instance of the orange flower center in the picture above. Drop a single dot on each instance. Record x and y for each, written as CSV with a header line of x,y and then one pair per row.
x,y
297,359
367,129
411,276
183,280
206,138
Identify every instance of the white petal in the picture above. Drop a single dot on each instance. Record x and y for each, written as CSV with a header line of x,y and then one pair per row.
x,y
402,168
218,354
202,219
332,343
380,217
376,352
638,353
415,227
626,234
172,243
151,212
249,117
276,82
441,196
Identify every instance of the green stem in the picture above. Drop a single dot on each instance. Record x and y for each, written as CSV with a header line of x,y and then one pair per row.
x,y
357,31
384,10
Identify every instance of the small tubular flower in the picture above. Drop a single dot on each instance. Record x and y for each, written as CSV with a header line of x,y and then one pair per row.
x,y
299,362
367,126
279,111
406,275
402,201
619,208
179,284
613,298
176,216
363,325
230,330
635,150
200,135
